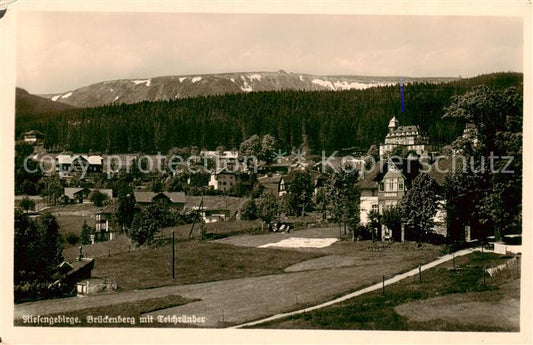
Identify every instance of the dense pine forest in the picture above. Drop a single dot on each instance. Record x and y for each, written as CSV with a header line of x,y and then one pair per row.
x,y
321,120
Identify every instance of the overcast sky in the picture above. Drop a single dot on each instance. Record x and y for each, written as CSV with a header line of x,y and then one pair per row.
x,y
59,51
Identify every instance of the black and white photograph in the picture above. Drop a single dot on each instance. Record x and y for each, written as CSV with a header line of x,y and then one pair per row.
x,y
235,169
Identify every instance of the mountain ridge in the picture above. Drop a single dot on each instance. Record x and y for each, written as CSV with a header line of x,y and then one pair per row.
x,y
28,103
131,91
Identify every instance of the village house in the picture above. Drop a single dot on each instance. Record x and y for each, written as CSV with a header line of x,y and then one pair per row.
x,y
284,183
270,184
301,165
68,166
220,154
34,137
70,273
408,138
104,231
215,208
222,180
209,215
385,186
470,135
73,195
319,182
172,199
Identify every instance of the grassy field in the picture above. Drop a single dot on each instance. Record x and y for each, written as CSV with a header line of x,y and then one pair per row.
x,y
459,299
120,244
73,209
218,229
71,218
73,224
264,287
196,261
130,310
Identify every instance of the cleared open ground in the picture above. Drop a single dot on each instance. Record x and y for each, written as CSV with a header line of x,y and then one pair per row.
x,y
446,299
257,293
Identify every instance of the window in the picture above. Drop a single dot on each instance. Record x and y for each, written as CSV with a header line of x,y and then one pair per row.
x,y
400,185
381,187
375,207
391,185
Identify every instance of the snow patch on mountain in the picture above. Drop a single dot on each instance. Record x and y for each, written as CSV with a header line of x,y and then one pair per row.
x,y
232,80
246,87
147,82
343,85
301,78
323,83
117,97
181,79
255,77
55,98
195,79
67,95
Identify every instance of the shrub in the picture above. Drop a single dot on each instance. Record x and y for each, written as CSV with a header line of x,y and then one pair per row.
x,y
98,198
249,210
362,232
72,238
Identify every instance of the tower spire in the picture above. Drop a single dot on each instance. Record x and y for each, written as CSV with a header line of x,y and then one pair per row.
x,y
393,124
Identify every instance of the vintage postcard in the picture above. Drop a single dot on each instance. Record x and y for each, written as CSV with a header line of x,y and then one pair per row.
x,y
251,172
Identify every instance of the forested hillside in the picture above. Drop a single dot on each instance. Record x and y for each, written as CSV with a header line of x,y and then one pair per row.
x,y
328,120
31,105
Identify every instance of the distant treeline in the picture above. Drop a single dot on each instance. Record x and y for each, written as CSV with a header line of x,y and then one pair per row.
x,y
321,120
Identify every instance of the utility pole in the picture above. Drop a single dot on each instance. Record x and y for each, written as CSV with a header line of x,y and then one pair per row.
x,y
198,215
453,259
173,257
202,223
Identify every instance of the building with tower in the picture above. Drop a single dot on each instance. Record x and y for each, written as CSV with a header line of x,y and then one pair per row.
x,y
408,138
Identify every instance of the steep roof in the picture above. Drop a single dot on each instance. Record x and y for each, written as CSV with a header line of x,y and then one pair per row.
x,y
68,159
71,192
370,179
144,197
270,183
406,129
176,197
224,171
63,159
393,122
96,160
392,173
409,168
215,202
34,132
112,207
147,197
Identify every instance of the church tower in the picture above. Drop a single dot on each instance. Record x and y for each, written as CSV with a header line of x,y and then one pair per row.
x,y
393,124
